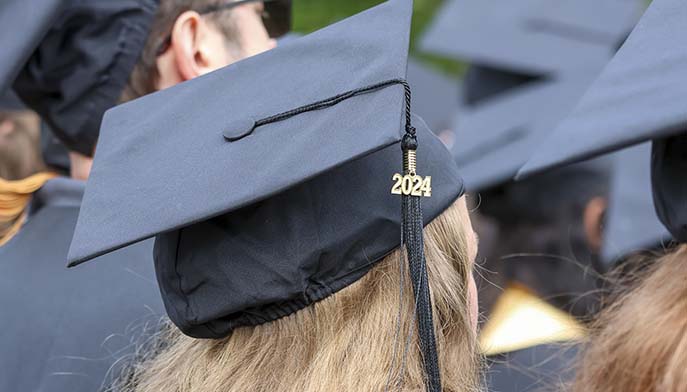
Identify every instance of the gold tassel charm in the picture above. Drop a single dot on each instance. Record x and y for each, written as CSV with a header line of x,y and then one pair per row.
x,y
410,184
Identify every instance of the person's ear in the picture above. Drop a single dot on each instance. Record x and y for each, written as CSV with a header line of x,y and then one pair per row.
x,y
594,213
187,35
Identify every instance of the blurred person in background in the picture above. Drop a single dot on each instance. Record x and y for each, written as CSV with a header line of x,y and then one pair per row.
x,y
639,342
529,64
19,161
81,325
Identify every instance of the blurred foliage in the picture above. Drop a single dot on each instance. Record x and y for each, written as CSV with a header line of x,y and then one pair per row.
x,y
310,15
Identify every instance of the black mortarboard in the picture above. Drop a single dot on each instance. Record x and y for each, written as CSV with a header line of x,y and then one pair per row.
x,y
78,70
637,98
631,222
23,24
498,135
282,200
532,36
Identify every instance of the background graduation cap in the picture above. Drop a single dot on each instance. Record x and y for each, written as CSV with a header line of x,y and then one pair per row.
x,y
638,97
497,137
295,179
73,71
630,203
531,36
71,92
26,22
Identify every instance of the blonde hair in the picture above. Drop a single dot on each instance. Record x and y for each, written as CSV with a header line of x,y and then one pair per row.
x,y
640,341
344,342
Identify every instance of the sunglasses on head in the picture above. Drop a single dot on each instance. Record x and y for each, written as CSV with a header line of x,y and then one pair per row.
x,y
276,17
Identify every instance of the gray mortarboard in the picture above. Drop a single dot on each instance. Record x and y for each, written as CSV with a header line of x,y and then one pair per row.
x,y
532,36
481,83
638,97
435,96
23,24
498,136
263,209
631,222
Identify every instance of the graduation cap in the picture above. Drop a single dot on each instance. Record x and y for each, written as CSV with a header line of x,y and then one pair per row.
x,y
629,203
266,184
69,71
23,24
638,97
532,36
498,135
482,83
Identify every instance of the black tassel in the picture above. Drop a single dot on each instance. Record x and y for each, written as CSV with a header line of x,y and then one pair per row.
x,y
412,222
412,231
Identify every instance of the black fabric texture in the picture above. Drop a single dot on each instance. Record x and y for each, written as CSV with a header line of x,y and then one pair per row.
x,y
669,180
277,256
81,66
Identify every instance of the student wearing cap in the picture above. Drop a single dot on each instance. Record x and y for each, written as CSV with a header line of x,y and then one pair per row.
x,y
640,342
530,63
278,208
73,330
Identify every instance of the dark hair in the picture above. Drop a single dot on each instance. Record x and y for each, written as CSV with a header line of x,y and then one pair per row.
x,y
145,74
541,240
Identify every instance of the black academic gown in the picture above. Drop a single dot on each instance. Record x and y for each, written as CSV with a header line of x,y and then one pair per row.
x,y
69,330
540,368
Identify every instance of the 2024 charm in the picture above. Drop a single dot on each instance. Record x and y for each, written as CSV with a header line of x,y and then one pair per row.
x,y
412,185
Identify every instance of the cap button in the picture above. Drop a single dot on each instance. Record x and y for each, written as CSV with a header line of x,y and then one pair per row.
x,y
239,129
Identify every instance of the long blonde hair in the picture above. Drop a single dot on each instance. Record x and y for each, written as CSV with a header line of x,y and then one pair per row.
x,y
344,342
640,341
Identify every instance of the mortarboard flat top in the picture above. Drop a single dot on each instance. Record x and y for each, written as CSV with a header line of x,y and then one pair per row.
x,y
497,136
631,222
639,95
23,23
254,222
531,36
637,98
166,137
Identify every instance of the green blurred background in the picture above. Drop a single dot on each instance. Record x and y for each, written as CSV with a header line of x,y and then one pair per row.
x,y
310,15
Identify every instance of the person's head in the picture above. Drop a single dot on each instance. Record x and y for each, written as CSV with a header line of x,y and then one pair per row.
x,y
346,341
549,230
19,156
640,341
189,38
